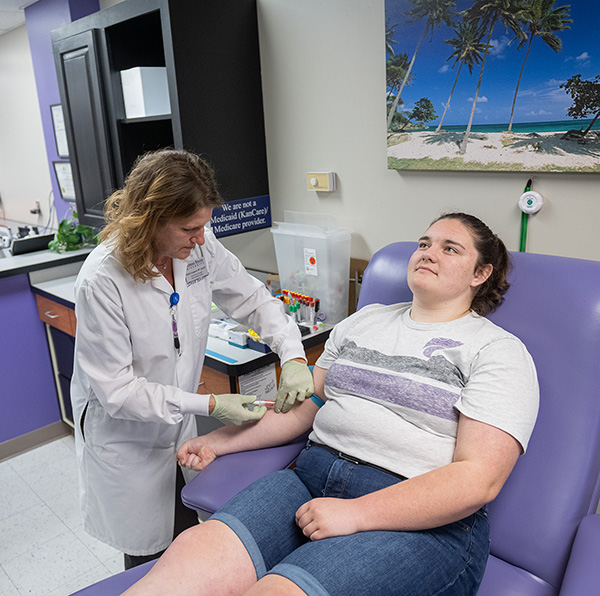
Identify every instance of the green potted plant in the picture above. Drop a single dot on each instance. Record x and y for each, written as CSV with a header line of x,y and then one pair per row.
x,y
72,235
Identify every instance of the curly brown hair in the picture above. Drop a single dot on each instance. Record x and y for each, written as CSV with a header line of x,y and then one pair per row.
x,y
491,251
162,185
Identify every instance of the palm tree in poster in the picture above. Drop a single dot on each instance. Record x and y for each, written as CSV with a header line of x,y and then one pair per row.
x,y
468,50
542,20
395,72
390,31
436,12
488,13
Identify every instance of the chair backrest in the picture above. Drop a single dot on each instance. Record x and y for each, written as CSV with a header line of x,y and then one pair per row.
x,y
553,306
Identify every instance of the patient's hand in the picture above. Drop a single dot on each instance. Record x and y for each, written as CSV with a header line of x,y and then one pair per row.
x,y
327,517
195,454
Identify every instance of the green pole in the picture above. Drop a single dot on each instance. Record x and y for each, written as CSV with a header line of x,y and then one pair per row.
x,y
523,245
524,220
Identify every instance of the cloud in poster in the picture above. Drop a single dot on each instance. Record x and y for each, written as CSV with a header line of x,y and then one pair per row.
x,y
499,46
482,99
549,94
584,59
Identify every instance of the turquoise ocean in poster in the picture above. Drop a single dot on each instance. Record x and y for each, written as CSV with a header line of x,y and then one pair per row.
x,y
555,126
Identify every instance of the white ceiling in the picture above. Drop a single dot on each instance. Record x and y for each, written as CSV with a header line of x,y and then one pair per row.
x,y
12,14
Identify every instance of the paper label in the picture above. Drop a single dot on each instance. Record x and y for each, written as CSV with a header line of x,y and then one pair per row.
x,y
261,382
310,261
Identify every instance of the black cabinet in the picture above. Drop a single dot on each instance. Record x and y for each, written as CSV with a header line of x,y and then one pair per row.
x,y
210,50
89,145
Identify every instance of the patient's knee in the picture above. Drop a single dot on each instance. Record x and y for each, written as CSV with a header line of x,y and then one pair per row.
x,y
188,539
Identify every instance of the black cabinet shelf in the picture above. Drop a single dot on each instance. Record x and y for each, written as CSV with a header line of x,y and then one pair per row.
x,y
141,120
211,54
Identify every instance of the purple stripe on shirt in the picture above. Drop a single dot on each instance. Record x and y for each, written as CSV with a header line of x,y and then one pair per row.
x,y
394,389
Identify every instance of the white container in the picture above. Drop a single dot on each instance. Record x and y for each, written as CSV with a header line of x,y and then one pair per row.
x,y
145,91
313,258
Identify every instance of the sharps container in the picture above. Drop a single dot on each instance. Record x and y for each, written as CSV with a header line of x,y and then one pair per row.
x,y
313,258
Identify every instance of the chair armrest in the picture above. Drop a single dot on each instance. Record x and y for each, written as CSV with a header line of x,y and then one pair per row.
x,y
116,584
229,474
583,570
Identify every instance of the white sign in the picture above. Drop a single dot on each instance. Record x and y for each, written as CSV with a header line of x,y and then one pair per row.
x,y
60,131
261,382
64,177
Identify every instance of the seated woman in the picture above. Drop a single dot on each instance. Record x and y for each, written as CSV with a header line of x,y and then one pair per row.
x,y
428,405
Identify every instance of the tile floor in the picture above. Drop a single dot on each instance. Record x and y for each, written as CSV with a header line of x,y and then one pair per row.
x,y
44,550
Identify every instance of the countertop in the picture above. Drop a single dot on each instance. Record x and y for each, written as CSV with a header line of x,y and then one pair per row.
x,y
62,288
58,283
35,261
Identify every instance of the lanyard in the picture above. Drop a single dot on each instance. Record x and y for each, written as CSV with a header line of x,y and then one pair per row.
x,y
173,301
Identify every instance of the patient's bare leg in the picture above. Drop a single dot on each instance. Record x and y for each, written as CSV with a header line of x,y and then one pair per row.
x,y
208,559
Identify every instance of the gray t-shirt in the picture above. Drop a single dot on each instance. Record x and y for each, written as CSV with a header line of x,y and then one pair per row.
x,y
395,387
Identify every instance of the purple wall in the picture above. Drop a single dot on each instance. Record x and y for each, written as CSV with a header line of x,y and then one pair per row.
x,y
27,391
41,18
28,398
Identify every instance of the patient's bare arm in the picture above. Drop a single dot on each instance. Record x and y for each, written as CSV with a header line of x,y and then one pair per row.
x,y
272,429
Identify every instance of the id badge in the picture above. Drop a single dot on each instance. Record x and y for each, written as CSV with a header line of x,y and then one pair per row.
x,y
196,271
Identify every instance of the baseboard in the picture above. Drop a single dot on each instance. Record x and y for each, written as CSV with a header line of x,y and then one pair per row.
x,y
34,439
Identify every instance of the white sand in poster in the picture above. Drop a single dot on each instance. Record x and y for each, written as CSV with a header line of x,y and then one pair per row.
x,y
544,151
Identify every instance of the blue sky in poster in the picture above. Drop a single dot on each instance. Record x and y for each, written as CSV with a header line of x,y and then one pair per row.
x,y
540,99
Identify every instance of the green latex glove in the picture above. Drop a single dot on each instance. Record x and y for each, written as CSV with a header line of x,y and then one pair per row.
x,y
295,384
232,408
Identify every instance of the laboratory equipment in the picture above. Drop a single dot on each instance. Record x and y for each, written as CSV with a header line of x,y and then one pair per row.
x,y
313,258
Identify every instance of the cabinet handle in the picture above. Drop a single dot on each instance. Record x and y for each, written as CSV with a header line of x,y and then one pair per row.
x,y
50,316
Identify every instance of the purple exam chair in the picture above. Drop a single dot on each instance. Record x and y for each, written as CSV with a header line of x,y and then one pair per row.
x,y
545,533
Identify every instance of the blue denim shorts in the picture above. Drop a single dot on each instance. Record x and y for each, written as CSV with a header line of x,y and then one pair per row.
x,y
449,560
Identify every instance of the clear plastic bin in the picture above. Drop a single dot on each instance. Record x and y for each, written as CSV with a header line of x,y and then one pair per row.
x,y
313,258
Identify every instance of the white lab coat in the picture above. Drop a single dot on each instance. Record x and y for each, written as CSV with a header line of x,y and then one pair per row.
x,y
130,381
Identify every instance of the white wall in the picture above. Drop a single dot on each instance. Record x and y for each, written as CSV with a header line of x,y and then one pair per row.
x,y
324,86
24,174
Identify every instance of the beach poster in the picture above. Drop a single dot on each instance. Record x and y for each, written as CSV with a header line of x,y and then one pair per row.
x,y
500,85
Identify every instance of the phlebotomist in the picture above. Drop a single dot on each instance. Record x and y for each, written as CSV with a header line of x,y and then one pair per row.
x,y
143,306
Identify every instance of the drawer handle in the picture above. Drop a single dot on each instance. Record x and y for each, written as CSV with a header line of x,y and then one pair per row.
x,y
50,316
